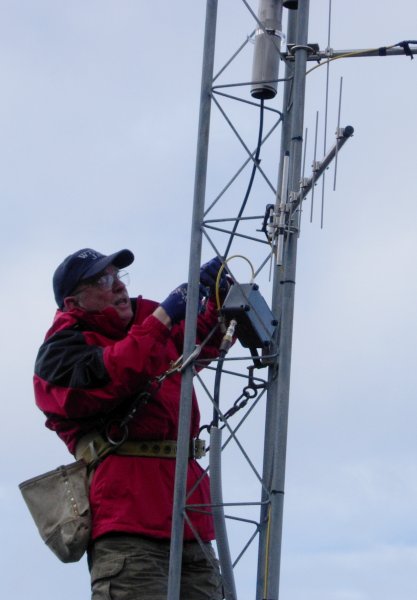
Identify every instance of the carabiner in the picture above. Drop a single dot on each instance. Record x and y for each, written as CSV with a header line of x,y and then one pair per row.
x,y
123,430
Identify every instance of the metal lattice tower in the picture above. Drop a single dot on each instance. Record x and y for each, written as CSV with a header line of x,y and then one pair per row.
x,y
222,221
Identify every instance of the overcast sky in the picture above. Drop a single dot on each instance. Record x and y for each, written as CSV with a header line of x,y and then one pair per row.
x,y
98,124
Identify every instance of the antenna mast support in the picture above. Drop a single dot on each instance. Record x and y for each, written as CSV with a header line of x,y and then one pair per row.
x,y
317,55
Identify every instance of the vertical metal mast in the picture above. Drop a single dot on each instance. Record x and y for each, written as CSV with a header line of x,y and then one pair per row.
x,y
283,302
174,578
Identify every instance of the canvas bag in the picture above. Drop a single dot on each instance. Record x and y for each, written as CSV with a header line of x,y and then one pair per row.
x,y
58,502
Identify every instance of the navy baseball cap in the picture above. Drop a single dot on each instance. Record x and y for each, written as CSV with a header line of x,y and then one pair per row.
x,y
84,264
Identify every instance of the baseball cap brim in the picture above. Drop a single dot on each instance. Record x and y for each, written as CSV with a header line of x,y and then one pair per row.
x,y
120,259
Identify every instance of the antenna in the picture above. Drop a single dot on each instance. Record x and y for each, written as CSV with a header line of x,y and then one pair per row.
x,y
303,180
326,107
316,165
338,132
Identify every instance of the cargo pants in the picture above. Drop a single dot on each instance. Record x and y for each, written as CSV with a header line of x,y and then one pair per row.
x,y
131,567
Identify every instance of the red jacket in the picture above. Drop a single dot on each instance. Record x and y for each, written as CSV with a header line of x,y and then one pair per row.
x,y
88,366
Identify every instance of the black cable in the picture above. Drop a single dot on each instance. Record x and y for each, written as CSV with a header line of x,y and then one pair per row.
x,y
216,389
225,345
252,177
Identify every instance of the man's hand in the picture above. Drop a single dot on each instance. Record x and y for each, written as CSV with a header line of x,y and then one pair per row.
x,y
208,276
175,304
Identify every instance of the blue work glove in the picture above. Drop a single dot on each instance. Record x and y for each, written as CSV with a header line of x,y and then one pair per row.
x,y
174,304
208,276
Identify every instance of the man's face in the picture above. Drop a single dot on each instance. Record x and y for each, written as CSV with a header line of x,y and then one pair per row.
x,y
102,291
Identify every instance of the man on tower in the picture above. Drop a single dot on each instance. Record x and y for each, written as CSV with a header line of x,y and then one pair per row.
x,y
102,351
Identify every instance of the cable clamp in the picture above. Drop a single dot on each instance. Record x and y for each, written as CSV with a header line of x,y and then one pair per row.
x,y
311,48
268,31
406,47
316,165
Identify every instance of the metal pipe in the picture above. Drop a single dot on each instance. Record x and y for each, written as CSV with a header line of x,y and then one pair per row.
x,y
272,393
281,212
285,278
218,514
177,532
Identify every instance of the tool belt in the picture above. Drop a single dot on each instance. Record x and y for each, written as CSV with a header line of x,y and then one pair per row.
x,y
93,447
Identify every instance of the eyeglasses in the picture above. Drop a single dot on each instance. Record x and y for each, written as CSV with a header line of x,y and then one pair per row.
x,y
105,281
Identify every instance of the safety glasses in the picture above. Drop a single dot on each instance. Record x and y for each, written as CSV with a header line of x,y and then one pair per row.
x,y
105,281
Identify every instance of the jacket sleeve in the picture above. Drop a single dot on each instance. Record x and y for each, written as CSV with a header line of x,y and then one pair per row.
x,y
76,379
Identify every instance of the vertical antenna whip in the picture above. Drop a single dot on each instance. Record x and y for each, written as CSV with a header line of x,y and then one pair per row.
x,y
302,182
326,111
315,167
338,132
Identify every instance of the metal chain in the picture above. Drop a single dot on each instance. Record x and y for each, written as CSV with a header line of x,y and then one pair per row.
x,y
154,384
249,392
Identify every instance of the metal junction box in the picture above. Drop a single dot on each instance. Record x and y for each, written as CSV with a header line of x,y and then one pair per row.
x,y
255,321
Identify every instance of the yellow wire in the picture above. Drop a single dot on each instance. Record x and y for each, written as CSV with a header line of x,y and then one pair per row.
x,y
346,55
268,532
219,274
